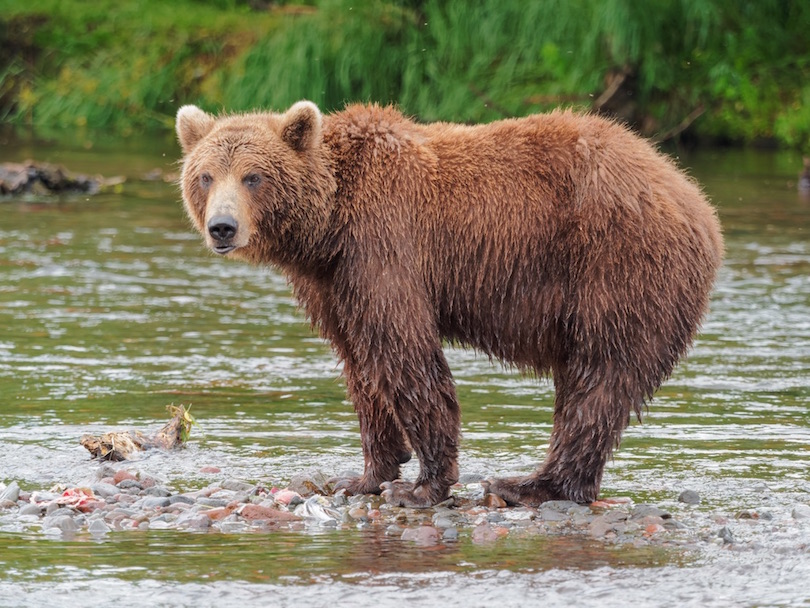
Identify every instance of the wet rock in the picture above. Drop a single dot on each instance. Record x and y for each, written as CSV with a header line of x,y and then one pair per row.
x,y
155,502
690,497
63,523
130,484
642,511
725,534
450,535
98,528
288,497
212,502
156,491
486,533
423,535
394,530
181,499
31,509
801,511
358,513
10,493
238,486
307,484
105,490
122,475
254,512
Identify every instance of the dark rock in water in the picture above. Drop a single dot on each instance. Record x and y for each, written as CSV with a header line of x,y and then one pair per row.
x,y
726,535
41,178
689,497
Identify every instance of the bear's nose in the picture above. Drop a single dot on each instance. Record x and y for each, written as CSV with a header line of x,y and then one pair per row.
x,y
222,227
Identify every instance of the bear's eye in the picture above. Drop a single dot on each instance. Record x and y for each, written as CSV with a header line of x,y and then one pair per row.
x,y
252,180
205,180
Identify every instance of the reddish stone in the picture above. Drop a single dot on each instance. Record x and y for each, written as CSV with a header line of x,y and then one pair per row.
x,y
91,505
220,513
210,470
122,475
253,512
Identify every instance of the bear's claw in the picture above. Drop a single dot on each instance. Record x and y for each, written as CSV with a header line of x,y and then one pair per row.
x,y
527,491
401,493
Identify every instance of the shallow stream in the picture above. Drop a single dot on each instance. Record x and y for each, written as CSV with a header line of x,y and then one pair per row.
x,y
110,309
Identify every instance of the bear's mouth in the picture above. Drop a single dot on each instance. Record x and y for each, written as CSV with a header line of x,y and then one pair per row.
x,y
223,249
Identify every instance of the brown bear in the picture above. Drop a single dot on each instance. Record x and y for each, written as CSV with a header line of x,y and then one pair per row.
x,y
560,244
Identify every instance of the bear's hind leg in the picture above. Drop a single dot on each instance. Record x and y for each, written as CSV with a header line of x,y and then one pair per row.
x,y
591,410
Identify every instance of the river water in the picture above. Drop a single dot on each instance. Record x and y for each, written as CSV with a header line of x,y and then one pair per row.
x,y
110,309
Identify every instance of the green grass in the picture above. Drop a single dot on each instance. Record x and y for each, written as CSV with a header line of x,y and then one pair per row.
x,y
742,70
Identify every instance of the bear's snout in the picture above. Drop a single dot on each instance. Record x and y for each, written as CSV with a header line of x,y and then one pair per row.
x,y
222,229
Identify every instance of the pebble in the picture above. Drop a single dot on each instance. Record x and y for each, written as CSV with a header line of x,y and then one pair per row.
x,y
801,511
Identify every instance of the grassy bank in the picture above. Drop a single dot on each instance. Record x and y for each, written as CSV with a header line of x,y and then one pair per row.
x,y
703,69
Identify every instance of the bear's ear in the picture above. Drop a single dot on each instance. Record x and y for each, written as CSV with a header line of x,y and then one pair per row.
x,y
192,125
301,126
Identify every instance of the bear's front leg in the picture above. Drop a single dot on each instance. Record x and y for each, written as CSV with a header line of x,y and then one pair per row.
x,y
428,412
396,372
384,445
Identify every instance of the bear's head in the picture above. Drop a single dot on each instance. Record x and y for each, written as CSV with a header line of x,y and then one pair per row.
x,y
257,185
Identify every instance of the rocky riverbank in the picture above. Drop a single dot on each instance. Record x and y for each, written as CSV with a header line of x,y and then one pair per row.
x,y
121,499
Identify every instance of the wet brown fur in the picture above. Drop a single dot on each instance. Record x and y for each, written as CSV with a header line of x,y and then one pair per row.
x,y
561,243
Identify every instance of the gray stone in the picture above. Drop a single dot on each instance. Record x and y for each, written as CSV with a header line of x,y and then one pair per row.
x,y
642,511
156,491
64,523
104,490
155,502
471,478
801,511
31,509
443,523
129,484
726,535
98,527
237,486
11,492
212,502
181,498
689,497
450,535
